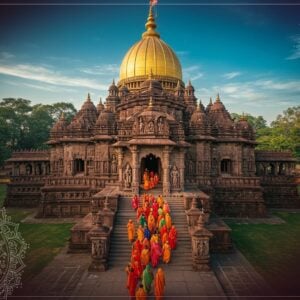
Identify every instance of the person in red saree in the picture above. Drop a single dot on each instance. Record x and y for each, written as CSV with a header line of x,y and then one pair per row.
x,y
156,179
155,209
131,283
137,269
138,246
135,202
156,253
173,237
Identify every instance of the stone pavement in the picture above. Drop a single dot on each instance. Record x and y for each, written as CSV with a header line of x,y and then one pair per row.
x,y
67,277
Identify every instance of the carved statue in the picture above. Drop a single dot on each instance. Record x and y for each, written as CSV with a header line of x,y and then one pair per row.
x,y
202,248
160,125
128,176
175,177
114,164
98,248
141,126
151,127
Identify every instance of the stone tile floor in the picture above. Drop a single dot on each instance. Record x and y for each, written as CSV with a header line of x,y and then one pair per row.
x,y
66,277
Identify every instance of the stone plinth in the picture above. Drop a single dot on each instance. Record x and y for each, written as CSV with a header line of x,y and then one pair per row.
x,y
79,240
200,247
99,237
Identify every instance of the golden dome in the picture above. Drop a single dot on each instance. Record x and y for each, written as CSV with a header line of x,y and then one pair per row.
x,y
150,55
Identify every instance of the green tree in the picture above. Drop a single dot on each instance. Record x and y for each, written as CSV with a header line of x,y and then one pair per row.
x,y
23,126
256,122
284,133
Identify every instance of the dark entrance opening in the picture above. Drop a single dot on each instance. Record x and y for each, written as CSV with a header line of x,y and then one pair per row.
x,y
152,164
78,166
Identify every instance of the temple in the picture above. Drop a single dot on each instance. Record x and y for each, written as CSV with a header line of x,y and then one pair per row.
x,y
152,121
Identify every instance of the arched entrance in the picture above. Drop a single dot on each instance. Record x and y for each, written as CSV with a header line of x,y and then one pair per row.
x,y
151,163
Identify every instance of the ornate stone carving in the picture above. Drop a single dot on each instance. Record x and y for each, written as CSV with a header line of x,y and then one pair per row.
x,y
175,180
128,176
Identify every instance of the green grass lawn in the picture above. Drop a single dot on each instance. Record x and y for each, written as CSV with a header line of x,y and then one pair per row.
x,y
272,249
45,240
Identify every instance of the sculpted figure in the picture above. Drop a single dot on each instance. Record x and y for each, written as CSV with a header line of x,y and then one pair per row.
x,y
141,126
160,125
128,176
175,177
150,127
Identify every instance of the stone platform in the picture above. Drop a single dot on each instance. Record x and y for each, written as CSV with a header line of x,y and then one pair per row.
x,y
67,277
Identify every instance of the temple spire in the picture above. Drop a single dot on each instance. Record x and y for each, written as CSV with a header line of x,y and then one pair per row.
x,y
150,25
88,97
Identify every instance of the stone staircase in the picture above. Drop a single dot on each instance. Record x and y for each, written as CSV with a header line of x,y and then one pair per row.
x,y
120,249
182,256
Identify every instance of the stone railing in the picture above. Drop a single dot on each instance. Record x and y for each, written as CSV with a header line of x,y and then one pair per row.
x,y
77,181
277,179
236,181
27,178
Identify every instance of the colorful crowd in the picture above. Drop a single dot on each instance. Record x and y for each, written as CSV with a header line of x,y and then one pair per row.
x,y
150,180
152,241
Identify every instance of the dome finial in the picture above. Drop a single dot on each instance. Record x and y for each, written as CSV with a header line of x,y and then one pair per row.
x,y
100,101
218,98
150,24
88,97
113,82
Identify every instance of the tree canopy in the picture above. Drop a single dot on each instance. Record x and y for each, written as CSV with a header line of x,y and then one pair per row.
x,y
27,126
282,134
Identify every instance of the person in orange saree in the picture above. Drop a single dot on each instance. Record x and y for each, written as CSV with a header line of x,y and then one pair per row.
x,y
140,294
145,257
166,252
173,237
159,284
166,208
140,234
168,220
131,283
130,231
146,180
160,201
151,222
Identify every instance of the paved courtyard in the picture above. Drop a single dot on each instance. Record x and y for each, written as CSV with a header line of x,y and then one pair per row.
x,y
67,277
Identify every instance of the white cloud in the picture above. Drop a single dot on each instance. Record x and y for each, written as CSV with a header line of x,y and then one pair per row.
x,y
108,69
231,75
279,85
192,73
49,76
296,48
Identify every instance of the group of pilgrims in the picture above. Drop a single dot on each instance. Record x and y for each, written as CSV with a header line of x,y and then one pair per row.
x,y
150,180
152,241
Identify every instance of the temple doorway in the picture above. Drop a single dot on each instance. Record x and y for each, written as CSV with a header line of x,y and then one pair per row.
x,y
151,165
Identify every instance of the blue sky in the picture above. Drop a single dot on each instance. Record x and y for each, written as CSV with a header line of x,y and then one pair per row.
x,y
250,54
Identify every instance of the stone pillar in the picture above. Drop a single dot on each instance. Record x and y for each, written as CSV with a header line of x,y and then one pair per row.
x,y
99,237
135,169
166,170
181,168
200,246
120,169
